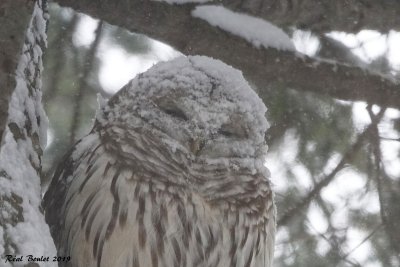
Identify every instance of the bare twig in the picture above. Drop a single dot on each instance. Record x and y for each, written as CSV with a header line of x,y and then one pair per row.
x,y
376,229
380,175
324,181
390,139
334,245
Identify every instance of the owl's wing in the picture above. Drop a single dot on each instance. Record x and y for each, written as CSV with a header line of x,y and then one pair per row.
x,y
270,231
55,196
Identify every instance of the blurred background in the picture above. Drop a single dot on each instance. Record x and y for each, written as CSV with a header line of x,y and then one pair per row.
x,y
335,164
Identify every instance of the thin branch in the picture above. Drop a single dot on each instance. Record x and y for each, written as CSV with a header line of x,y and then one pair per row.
x,y
323,182
335,246
376,229
390,139
380,174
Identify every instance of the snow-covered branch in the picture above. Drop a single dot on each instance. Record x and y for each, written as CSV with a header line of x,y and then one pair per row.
x,y
324,15
175,25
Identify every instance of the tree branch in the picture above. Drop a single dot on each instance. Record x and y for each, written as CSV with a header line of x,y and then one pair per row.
x,y
173,24
324,15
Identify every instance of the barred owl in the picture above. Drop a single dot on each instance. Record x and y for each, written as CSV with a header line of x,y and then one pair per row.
x,y
171,174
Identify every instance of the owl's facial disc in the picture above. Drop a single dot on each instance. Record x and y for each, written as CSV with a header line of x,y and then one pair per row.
x,y
198,105
199,124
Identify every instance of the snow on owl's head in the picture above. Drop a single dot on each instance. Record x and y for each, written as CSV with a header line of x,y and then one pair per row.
x,y
197,105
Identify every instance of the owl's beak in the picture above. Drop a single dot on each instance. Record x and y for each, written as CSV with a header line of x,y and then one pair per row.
x,y
196,145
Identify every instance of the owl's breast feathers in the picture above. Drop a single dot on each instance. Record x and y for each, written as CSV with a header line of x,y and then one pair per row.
x,y
141,206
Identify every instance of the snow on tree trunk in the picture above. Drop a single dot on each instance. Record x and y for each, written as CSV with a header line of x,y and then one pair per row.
x,y
23,230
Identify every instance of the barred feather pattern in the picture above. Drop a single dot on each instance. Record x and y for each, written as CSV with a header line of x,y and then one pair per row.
x,y
119,212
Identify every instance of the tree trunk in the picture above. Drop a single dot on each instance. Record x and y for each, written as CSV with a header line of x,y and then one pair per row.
x,y
23,126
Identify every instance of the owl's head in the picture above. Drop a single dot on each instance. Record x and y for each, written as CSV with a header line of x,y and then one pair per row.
x,y
196,105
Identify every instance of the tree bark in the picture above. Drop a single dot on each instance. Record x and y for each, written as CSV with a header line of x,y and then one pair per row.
x,y
174,25
14,20
324,15
23,230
